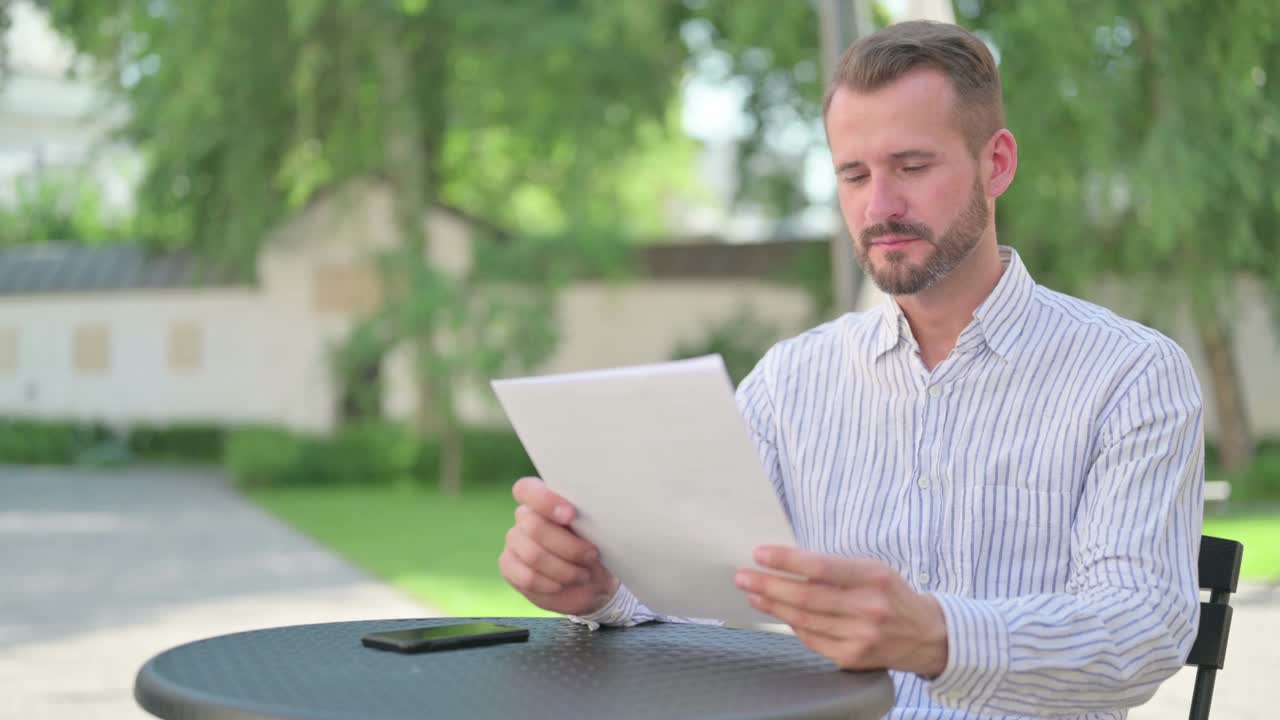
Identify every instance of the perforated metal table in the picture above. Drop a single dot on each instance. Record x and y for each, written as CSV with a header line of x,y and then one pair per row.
x,y
564,671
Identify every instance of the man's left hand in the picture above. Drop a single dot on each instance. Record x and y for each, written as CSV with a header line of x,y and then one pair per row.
x,y
856,612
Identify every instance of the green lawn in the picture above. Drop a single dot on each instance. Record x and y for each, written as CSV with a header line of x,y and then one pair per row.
x,y
1259,530
441,550
444,550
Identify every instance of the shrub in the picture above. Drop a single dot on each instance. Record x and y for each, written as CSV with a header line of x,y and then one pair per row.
x,y
184,443
1261,480
741,340
40,442
367,452
490,458
261,456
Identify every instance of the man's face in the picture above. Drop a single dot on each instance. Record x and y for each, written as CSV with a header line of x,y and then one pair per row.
x,y
910,190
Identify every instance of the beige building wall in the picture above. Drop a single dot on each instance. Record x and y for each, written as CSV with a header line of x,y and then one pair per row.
x,y
109,356
645,321
319,277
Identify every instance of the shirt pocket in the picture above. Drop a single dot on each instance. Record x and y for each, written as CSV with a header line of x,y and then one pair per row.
x,y
1020,541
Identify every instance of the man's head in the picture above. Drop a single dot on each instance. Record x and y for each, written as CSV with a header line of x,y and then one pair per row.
x,y
916,127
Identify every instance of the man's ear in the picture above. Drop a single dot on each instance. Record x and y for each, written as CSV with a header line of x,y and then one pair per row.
x,y
1002,154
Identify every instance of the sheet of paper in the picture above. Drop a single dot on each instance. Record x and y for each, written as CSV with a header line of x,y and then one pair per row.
x,y
667,481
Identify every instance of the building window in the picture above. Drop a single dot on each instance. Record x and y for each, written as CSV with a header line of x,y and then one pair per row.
x,y
91,349
185,346
345,288
8,350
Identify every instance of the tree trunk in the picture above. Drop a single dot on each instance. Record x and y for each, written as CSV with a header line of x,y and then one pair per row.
x,y
451,446
1235,441
407,168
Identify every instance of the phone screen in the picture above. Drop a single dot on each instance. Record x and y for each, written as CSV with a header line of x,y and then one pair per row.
x,y
443,637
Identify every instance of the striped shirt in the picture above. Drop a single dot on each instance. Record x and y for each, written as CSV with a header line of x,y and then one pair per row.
x,y
1044,483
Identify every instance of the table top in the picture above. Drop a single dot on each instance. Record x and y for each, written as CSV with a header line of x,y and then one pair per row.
x,y
656,670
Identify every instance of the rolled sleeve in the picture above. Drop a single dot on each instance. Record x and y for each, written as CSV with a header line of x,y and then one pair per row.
x,y
977,652
622,610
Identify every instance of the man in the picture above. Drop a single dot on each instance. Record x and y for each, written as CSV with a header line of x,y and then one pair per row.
x,y
997,488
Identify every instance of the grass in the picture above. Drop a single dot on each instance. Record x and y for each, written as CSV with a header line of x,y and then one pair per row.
x,y
444,550
1258,527
440,550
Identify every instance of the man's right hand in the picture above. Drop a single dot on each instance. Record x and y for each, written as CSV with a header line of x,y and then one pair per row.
x,y
546,561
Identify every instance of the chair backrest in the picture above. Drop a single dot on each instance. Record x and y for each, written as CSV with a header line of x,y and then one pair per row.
x,y
1219,574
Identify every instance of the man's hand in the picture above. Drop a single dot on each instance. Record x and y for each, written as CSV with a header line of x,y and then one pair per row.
x,y
857,613
546,561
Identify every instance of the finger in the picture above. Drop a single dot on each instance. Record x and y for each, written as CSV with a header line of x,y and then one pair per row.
x,y
810,596
524,578
544,561
557,539
848,655
828,569
533,493
830,626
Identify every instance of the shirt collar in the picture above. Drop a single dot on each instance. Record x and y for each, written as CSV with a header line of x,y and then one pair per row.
x,y
997,322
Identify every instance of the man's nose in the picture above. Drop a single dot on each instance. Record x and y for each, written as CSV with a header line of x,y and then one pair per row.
x,y
884,202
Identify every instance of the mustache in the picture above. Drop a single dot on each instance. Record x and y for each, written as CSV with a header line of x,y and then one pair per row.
x,y
897,227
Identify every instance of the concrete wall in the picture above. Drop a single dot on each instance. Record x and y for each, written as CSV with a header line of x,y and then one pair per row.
x,y
647,320
318,280
138,382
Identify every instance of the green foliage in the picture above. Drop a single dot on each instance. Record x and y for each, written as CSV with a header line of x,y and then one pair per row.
x,y
42,442
373,453
493,458
770,50
1151,142
1261,479
266,456
367,453
70,442
530,114
810,270
741,340
60,210
184,442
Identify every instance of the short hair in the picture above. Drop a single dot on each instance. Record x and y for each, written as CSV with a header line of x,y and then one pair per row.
x,y
879,59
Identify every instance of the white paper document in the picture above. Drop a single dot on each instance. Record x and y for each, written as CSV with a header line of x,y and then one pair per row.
x,y
666,479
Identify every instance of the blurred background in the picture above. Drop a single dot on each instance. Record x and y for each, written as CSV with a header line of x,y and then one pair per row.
x,y
259,261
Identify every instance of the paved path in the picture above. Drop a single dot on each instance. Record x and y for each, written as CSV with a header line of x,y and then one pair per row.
x,y
101,570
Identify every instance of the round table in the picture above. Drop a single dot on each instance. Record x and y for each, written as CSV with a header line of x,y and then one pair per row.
x,y
322,672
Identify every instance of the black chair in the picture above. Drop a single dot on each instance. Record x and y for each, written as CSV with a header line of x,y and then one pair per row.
x,y
1219,573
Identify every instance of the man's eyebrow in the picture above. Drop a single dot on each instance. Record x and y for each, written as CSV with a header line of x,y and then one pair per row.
x,y
914,155
902,155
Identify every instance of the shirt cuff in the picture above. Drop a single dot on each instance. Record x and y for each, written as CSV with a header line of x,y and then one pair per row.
x,y
620,610
977,653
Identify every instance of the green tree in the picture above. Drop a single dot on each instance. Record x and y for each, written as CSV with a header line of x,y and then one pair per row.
x,y
60,210
1150,137
771,50
528,114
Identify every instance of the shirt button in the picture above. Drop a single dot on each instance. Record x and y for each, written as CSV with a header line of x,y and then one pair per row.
x,y
935,391
923,482
922,579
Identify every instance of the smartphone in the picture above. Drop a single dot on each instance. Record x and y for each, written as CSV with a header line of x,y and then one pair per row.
x,y
444,637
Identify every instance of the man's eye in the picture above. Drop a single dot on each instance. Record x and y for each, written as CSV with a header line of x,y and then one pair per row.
x,y
915,168
854,178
